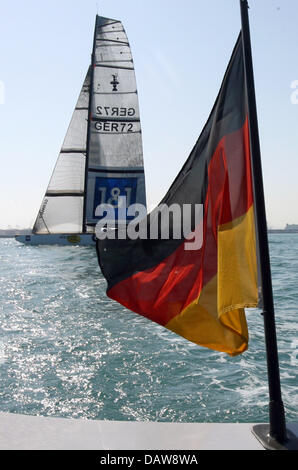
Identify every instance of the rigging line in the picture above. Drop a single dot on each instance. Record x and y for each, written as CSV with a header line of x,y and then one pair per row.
x,y
41,216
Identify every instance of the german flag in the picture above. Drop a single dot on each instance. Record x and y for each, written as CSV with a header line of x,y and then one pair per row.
x,y
201,294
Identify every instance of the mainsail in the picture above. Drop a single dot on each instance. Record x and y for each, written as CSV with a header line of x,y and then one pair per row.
x,y
115,156
101,157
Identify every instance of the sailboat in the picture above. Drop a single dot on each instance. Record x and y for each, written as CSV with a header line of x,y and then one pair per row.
x,y
101,157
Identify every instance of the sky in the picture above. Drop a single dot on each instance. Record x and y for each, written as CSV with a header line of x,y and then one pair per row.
x,y
180,51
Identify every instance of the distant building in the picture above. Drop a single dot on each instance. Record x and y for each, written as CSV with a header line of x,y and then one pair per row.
x,y
292,227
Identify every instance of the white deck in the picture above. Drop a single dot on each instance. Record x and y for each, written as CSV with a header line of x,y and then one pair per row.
x,y
36,432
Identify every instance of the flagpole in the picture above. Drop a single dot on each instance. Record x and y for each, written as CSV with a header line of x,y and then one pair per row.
x,y
276,433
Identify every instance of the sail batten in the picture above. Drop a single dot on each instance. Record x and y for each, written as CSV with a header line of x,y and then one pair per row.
x,y
119,93
64,193
113,67
73,151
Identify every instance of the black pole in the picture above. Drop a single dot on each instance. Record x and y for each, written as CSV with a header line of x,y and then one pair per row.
x,y
277,423
84,226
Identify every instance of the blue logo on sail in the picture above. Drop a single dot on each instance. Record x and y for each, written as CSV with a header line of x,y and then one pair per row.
x,y
108,191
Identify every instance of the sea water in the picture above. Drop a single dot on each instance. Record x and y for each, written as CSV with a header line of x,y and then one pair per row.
x,y
67,350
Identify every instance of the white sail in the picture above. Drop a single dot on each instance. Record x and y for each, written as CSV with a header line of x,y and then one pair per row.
x,y
115,157
61,210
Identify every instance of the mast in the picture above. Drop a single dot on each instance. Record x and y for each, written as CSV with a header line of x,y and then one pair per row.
x,y
84,226
275,435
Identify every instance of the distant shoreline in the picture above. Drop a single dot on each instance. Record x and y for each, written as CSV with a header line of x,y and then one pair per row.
x,y
281,231
4,233
11,233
